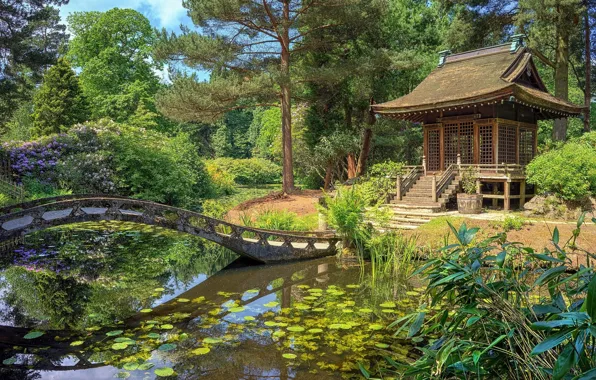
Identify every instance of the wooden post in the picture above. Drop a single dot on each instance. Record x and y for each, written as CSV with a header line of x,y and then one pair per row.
x,y
459,161
522,194
507,205
478,187
495,192
398,187
424,164
434,188
442,148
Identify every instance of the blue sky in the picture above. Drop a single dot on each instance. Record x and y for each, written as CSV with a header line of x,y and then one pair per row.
x,y
162,13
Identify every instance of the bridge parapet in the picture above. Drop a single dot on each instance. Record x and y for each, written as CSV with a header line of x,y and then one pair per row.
x,y
266,246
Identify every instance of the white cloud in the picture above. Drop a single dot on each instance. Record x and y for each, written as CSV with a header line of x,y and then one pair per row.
x,y
162,13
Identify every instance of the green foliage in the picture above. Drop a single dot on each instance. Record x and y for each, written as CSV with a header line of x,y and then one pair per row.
x,y
20,126
251,171
59,102
380,180
568,171
222,182
283,221
468,180
489,314
113,49
392,254
513,223
36,189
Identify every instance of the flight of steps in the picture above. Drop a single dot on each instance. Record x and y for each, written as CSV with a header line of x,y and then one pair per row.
x,y
417,207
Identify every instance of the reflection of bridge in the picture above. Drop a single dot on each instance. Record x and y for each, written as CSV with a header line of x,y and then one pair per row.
x,y
258,244
268,279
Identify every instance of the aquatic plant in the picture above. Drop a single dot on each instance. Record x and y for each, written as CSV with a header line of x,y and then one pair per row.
x,y
506,311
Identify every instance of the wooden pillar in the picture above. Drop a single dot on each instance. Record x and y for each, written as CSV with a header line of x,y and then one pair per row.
x,y
425,147
476,143
478,187
507,205
496,141
517,144
495,192
442,146
522,193
398,187
434,188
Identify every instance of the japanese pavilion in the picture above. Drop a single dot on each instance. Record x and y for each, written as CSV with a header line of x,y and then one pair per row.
x,y
477,108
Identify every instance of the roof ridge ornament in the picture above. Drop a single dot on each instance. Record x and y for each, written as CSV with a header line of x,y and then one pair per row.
x,y
517,41
443,57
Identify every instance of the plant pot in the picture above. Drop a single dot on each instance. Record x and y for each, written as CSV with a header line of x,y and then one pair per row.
x,y
469,203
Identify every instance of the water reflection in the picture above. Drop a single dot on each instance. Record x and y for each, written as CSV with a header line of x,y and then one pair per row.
x,y
301,320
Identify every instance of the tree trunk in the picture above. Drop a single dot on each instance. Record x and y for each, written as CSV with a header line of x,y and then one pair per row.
x,y
366,142
286,105
588,89
351,166
328,176
561,79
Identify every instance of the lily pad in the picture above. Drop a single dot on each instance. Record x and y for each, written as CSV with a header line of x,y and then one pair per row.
x,y
289,356
412,294
315,331
279,334
365,311
166,327
158,289
33,334
310,298
302,307
201,351
296,328
388,305
183,300
114,333
153,336
119,346
167,347
123,375
77,343
123,339
238,309
376,326
210,340
270,323
9,361
164,372
271,304
145,366
146,310
248,318
131,366
318,309
381,345
352,286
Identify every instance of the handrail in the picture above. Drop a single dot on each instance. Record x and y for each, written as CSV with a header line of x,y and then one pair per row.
x,y
404,183
445,180
497,168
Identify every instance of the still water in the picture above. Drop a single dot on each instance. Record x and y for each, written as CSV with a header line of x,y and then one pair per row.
x,y
117,300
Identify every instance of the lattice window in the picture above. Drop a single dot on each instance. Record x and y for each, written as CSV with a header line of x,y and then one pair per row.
x,y
526,145
434,150
451,143
466,142
486,144
507,143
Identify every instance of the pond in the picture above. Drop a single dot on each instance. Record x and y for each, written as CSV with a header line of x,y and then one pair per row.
x,y
118,300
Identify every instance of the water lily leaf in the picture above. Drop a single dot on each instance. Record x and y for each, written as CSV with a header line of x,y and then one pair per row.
x,y
271,304
166,327
158,289
153,336
252,291
388,305
303,286
238,309
365,311
248,318
183,300
310,298
77,343
145,366
381,345
289,356
270,324
352,286
318,309
123,339
315,290
146,310
301,307
152,322
123,375
33,334
131,366
315,331
376,326
295,328
388,310
167,347
347,311
210,340
412,294
201,351
164,372
335,326
119,346
9,361
114,333
279,334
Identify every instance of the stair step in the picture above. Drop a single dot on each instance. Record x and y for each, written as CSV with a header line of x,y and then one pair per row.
x,y
406,220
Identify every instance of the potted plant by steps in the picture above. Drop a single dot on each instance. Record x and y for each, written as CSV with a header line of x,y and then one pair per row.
x,y
469,202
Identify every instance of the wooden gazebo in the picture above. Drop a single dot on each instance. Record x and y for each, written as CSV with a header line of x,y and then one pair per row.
x,y
481,108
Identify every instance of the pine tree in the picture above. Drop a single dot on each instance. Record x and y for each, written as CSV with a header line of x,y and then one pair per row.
x,y
59,102
251,47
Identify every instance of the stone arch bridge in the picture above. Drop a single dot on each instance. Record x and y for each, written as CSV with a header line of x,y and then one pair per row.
x,y
265,246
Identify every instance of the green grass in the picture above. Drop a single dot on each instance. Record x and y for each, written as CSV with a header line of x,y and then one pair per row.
x,y
218,208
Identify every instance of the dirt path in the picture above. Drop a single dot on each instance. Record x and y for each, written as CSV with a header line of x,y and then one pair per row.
x,y
301,203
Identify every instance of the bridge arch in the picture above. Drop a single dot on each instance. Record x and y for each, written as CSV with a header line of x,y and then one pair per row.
x,y
265,246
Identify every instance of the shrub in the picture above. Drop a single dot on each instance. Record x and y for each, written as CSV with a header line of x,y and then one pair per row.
x,y
250,171
37,189
221,180
381,180
568,171
468,180
282,220
513,223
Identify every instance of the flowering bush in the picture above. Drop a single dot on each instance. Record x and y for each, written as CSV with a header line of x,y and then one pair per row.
x,y
36,159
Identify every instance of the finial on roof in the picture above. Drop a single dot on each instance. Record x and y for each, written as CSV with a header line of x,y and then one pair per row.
x,y
443,57
517,41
